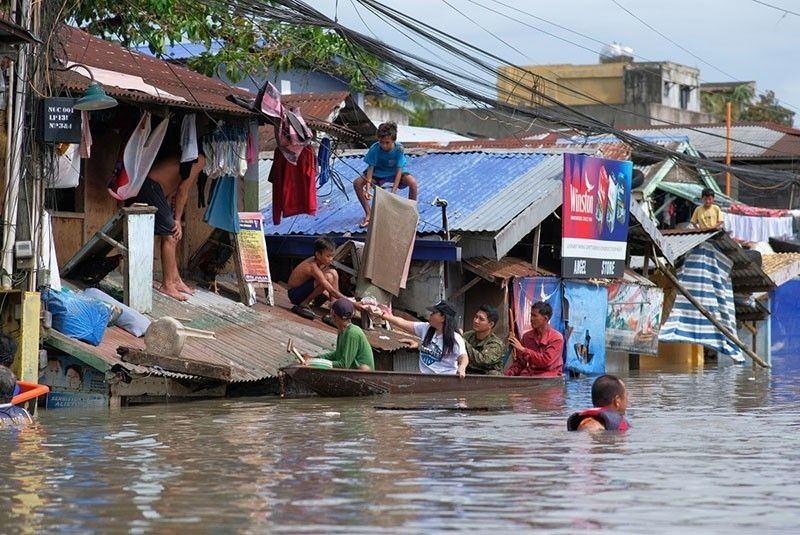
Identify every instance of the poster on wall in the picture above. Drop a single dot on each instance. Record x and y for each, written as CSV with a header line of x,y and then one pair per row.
x,y
634,318
584,336
72,383
529,290
594,228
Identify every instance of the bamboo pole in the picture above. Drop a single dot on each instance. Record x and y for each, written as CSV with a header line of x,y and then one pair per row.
x,y
729,335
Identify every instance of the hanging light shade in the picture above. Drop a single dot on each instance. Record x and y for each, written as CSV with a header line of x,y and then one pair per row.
x,y
95,99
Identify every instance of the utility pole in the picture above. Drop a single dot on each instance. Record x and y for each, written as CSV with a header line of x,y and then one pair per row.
x,y
728,149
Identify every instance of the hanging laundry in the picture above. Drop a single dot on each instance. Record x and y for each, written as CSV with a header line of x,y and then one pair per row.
x,y
324,161
291,130
391,235
756,229
86,136
68,169
189,151
226,152
293,186
223,204
252,142
140,153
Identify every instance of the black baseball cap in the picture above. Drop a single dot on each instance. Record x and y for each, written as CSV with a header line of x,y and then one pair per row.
x,y
442,307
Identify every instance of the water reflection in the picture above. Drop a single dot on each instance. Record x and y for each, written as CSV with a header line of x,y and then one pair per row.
x,y
708,452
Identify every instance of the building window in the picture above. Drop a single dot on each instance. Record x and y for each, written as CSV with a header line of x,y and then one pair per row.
x,y
686,92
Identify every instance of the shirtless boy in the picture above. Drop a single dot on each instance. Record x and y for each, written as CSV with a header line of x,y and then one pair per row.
x,y
314,277
170,181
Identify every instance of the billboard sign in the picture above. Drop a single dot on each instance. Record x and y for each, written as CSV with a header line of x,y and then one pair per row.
x,y
594,237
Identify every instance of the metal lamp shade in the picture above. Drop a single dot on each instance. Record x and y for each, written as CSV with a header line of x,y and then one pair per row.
x,y
95,99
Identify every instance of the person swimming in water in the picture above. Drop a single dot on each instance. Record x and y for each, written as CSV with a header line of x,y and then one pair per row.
x,y
10,415
610,400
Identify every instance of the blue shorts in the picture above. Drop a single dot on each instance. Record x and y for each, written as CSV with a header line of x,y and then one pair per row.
x,y
298,294
380,182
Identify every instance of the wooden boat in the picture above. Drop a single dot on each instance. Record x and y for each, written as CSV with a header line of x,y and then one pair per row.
x,y
349,383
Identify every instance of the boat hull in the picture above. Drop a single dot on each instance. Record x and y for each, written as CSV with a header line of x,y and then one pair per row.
x,y
352,383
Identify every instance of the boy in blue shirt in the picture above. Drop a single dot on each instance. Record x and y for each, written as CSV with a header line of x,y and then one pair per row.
x,y
386,161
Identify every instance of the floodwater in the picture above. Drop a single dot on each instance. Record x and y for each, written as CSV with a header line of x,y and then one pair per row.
x,y
711,452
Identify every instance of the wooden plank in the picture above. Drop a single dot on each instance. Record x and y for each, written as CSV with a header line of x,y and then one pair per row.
x,y
138,274
175,364
67,235
95,247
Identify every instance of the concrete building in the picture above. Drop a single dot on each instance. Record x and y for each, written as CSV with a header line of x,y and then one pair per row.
x,y
624,94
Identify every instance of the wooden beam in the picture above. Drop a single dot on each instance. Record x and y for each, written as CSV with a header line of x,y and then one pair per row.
x,y
175,364
466,287
537,241
714,321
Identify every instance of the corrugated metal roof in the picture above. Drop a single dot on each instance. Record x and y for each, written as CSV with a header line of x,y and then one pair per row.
x,y
681,241
12,34
503,269
747,274
484,190
200,92
781,267
250,340
748,140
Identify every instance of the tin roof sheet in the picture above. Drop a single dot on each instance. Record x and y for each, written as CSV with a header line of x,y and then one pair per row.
x,y
485,190
199,91
681,241
748,140
250,340
781,267
504,269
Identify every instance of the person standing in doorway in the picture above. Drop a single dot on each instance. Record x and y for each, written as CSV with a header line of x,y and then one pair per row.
x,y
168,184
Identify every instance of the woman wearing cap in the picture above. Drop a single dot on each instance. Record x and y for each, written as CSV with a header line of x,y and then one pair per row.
x,y
442,349
352,348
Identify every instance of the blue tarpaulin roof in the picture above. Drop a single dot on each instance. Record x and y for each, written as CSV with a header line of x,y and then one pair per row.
x,y
485,191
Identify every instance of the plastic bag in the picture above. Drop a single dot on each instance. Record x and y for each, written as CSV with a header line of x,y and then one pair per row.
x,y
76,316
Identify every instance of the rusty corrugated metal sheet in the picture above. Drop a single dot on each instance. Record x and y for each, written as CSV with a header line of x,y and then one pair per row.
x,y
251,341
503,269
200,92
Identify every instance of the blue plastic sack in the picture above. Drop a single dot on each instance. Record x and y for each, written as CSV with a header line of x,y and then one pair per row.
x,y
76,316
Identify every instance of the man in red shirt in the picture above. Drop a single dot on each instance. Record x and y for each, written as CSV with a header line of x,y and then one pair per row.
x,y
540,351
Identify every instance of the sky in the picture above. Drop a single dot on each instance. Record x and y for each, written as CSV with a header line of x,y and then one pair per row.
x,y
727,40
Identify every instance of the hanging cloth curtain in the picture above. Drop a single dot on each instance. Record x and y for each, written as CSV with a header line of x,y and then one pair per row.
x,y
140,153
222,211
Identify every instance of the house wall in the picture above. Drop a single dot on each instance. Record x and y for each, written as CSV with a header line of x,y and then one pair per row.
x,y
603,81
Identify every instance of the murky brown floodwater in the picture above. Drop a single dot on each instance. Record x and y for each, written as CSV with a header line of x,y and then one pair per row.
x,y
711,452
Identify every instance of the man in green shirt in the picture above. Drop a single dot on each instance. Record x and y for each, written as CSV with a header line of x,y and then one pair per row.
x,y
352,348
484,348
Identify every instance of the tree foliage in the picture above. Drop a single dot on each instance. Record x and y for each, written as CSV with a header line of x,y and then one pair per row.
x,y
234,46
745,107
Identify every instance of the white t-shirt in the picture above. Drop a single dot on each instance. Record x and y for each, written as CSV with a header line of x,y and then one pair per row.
x,y
431,359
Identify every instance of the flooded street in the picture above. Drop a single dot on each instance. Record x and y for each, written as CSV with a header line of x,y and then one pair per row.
x,y
709,452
